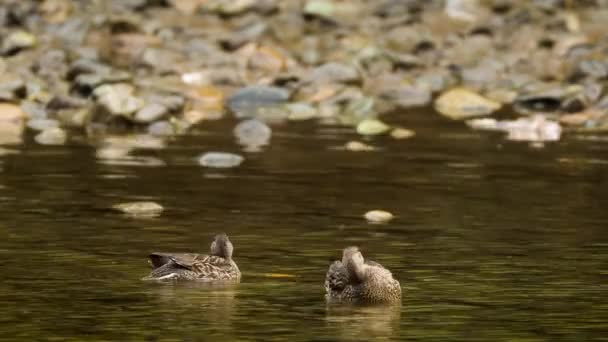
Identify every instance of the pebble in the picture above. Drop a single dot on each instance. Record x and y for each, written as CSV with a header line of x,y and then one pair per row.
x,y
252,133
461,103
150,113
220,160
378,216
118,99
51,136
372,127
402,133
140,208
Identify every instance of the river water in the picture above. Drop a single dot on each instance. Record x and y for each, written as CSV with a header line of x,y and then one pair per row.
x,y
492,240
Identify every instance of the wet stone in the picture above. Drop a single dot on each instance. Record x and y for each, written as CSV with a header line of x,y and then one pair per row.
x,y
301,111
252,134
461,103
16,41
372,127
51,136
378,216
118,99
408,96
141,208
220,160
358,146
150,113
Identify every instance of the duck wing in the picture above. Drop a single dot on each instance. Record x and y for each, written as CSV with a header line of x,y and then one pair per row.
x,y
182,259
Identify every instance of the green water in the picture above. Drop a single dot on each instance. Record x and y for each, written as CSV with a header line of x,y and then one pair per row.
x,y
492,241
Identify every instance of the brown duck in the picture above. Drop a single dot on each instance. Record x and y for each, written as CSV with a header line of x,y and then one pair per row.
x,y
217,266
355,280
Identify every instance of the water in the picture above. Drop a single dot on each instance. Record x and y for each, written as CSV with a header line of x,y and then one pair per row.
x,y
492,241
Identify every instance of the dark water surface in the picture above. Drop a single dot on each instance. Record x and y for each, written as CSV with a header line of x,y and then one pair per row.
x,y
493,240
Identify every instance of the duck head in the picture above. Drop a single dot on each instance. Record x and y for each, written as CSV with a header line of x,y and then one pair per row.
x,y
353,260
222,247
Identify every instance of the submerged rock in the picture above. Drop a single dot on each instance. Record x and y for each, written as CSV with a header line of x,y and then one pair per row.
x,y
252,134
536,128
461,103
220,160
141,208
372,127
378,216
357,146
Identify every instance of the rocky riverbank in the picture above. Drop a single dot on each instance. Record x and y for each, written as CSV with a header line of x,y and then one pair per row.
x,y
533,69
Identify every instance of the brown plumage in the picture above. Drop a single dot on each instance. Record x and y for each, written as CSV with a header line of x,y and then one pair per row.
x,y
216,266
355,280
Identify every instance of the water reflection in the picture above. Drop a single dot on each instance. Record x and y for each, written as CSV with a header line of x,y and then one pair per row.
x,y
364,322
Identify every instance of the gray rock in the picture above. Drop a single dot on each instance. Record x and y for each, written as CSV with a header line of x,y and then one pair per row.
x,y
220,160
245,101
18,40
252,134
150,113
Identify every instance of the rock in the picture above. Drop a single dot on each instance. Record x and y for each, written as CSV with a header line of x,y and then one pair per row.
x,y
408,96
42,124
161,128
220,160
357,146
461,103
549,98
117,99
536,128
252,134
372,127
334,72
12,120
300,111
245,101
141,208
402,133
17,40
51,136
113,152
378,216
150,113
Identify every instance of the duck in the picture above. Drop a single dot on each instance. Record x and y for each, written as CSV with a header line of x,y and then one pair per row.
x,y
218,265
356,280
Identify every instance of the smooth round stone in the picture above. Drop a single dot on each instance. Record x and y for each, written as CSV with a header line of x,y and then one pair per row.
x,y
461,103
378,216
113,152
51,136
372,127
140,208
150,113
220,160
252,133
42,124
